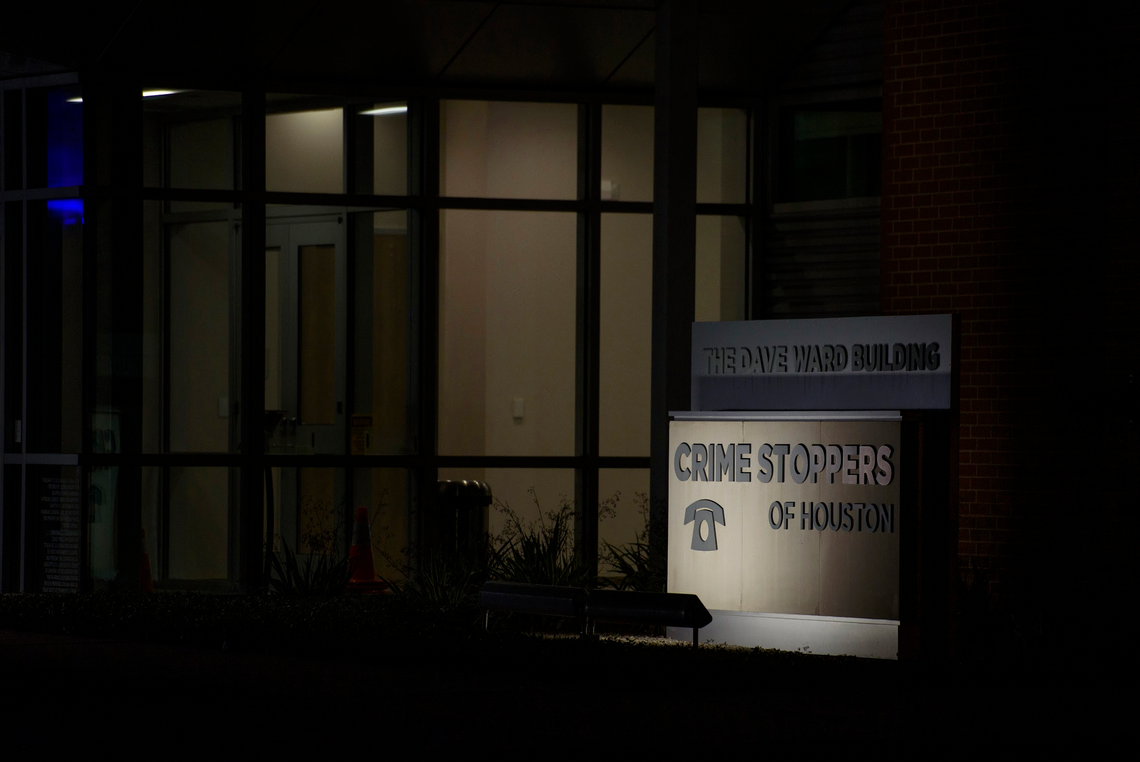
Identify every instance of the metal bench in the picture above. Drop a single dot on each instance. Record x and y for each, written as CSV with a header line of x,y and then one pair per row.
x,y
526,598
592,606
633,607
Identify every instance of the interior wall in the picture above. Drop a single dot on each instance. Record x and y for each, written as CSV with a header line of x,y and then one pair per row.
x,y
199,380
304,151
626,302
199,336
530,333
627,153
201,154
390,153
199,523
722,155
508,279
508,292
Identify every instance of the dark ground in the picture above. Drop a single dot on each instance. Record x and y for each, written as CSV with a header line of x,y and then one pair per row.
x,y
111,697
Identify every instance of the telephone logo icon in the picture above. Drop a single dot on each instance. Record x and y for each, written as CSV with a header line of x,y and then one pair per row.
x,y
704,513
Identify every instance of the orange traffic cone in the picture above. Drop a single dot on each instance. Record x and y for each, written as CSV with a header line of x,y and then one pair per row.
x,y
363,579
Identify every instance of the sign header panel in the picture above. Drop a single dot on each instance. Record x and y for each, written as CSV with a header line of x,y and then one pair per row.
x,y
865,363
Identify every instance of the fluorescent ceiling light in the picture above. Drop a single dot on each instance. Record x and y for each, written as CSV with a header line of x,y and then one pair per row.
x,y
145,94
385,110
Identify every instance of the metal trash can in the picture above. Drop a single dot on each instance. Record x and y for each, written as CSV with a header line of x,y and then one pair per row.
x,y
464,517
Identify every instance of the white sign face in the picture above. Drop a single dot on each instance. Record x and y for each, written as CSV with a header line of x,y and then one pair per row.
x,y
786,517
864,363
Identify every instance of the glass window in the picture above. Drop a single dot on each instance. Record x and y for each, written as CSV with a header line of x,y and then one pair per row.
x,y
304,148
196,532
382,414
721,281
306,328
106,486
624,334
525,495
508,150
14,294
310,514
507,333
199,330
54,325
189,138
11,149
722,155
831,151
386,494
128,309
627,153
623,514
389,147
54,137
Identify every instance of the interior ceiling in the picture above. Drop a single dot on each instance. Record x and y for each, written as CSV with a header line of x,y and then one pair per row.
x,y
589,45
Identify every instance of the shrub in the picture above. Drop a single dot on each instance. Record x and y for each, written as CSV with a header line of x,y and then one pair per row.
x,y
541,552
639,569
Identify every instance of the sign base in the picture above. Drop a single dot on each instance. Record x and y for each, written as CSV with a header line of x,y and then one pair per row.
x,y
829,635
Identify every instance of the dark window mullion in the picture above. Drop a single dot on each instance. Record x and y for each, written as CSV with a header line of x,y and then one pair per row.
x,y
250,536
423,182
588,334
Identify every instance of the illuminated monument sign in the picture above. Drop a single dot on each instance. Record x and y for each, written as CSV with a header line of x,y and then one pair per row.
x,y
874,363
784,509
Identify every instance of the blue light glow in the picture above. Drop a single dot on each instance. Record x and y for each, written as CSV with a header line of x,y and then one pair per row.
x,y
64,139
69,210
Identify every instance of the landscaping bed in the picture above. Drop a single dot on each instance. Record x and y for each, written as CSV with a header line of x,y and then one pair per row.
x,y
384,627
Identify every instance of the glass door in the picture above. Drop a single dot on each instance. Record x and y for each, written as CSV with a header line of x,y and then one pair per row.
x,y
305,337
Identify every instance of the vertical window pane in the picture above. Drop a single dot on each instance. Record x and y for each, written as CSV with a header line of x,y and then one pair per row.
x,y
528,495
319,514
128,300
623,496
508,150
305,332
721,281
317,317
831,151
152,330
12,236
507,333
12,155
624,353
55,325
385,493
389,148
722,155
188,138
199,331
627,153
197,529
383,412
109,561
304,150
54,136
309,512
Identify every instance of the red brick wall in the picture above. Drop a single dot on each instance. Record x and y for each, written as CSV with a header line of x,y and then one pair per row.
x,y
1010,197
